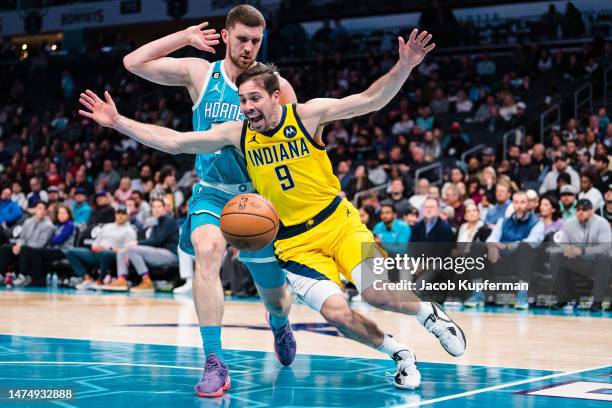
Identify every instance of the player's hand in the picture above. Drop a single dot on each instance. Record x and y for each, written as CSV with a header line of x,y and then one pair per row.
x,y
414,50
202,39
103,112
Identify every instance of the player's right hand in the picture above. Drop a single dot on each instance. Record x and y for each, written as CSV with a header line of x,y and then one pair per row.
x,y
202,39
103,112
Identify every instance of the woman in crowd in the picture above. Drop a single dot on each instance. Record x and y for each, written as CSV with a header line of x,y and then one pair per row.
x,y
550,214
37,259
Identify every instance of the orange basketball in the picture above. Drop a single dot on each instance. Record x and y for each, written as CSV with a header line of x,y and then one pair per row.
x,y
249,222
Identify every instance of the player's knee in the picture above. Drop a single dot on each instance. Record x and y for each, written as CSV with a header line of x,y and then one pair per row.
x,y
370,296
207,251
276,306
339,316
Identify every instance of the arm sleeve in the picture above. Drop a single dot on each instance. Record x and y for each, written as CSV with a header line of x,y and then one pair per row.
x,y
65,232
497,231
536,235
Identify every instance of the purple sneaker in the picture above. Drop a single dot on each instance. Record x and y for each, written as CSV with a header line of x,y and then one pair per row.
x,y
284,343
215,379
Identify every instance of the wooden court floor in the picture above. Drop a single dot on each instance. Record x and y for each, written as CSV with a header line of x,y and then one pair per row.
x,y
509,346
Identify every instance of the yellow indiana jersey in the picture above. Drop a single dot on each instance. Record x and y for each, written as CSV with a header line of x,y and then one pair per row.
x,y
289,168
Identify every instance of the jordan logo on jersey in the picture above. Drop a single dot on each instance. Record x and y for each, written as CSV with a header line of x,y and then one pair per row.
x,y
254,139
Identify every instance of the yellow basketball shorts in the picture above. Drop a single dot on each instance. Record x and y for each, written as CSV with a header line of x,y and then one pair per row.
x,y
329,249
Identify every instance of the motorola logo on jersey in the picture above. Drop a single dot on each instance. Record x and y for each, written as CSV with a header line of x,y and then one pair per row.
x,y
290,131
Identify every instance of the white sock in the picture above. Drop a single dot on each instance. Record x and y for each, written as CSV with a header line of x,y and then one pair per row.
x,y
424,312
391,346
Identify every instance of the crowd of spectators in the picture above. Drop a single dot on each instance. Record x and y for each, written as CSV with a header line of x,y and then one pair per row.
x,y
55,163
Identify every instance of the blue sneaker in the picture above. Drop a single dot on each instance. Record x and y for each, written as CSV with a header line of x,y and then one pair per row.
x,y
285,345
215,380
522,300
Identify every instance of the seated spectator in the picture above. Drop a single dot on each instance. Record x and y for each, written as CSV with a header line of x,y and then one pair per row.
x,y
360,182
167,185
18,196
533,201
523,226
403,126
124,191
398,198
422,190
456,142
368,216
567,205
604,175
103,253
36,259
588,254
431,228
376,172
502,204
462,103
80,207
508,108
393,233
9,210
103,212
550,215
431,147
142,208
36,194
157,250
473,229
108,179
411,217
35,233
588,191
439,104
145,177
559,166
425,121
453,200
606,210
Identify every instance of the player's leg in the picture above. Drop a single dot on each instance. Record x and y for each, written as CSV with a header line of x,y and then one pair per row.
x,y
201,237
209,247
325,297
356,252
315,279
270,281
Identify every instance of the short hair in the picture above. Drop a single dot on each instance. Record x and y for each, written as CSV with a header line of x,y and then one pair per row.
x,y
519,193
564,177
590,173
137,192
246,15
158,199
390,205
166,171
266,76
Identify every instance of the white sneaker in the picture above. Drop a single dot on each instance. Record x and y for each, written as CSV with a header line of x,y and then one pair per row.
x,y
22,280
448,332
407,375
185,289
85,285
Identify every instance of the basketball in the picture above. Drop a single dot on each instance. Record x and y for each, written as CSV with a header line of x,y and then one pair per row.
x,y
249,222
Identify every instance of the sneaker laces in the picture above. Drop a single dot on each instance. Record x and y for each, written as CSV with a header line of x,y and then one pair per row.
x,y
213,366
285,336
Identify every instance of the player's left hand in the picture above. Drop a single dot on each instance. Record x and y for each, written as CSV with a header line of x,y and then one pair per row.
x,y
105,113
414,50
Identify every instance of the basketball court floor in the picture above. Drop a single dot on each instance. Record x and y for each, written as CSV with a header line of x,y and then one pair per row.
x,y
145,350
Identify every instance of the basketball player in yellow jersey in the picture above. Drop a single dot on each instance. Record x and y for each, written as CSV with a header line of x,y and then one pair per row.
x,y
321,235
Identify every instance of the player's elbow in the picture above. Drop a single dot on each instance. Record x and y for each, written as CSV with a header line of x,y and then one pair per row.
x,y
130,63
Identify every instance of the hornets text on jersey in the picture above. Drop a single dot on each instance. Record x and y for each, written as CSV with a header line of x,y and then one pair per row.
x,y
218,103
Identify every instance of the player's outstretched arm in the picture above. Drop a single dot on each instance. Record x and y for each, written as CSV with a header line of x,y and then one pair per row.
x,y
380,93
152,63
158,137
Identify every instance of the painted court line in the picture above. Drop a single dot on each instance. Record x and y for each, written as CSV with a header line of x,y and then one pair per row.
x,y
501,386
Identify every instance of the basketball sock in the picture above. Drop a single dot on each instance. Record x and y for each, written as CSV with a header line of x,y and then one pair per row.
x,y
211,338
277,322
391,346
424,312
